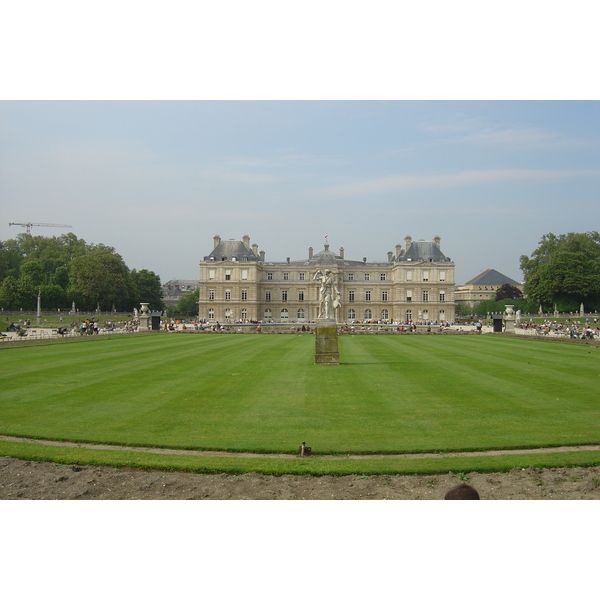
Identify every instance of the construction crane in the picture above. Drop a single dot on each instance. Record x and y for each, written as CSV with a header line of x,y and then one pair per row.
x,y
30,225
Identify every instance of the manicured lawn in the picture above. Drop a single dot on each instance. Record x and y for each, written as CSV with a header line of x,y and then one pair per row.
x,y
263,393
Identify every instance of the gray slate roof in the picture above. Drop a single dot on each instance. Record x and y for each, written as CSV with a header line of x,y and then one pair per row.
x,y
422,251
231,250
491,277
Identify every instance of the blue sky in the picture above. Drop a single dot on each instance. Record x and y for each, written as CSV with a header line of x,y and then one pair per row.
x,y
157,179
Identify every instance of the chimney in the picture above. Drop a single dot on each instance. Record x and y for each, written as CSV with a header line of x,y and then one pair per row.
x,y
255,249
407,242
262,256
398,250
217,240
341,253
437,240
310,253
246,240
390,256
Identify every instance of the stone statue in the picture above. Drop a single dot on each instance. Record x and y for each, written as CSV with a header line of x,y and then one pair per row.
x,y
519,315
327,304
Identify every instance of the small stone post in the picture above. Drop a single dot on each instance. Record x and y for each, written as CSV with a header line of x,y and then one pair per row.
x,y
509,319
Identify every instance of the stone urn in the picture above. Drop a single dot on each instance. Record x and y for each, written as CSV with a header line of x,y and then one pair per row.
x,y
144,306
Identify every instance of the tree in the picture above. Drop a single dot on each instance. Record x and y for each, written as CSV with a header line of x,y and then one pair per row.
x,y
499,306
9,293
27,293
188,304
508,291
564,271
100,278
147,289
10,259
53,296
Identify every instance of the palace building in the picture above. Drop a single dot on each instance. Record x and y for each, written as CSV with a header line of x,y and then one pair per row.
x,y
483,287
415,284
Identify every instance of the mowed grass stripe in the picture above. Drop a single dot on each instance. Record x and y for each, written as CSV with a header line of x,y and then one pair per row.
x,y
263,393
161,390
486,383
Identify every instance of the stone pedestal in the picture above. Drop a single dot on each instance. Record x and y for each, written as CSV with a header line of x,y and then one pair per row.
x,y
509,319
144,323
326,344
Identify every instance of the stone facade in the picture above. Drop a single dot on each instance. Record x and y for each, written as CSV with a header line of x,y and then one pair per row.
x,y
415,284
174,288
483,287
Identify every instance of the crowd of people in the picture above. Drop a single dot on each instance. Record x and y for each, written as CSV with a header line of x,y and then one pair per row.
x,y
569,328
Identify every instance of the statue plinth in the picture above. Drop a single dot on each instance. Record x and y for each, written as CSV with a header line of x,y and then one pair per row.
x,y
326,343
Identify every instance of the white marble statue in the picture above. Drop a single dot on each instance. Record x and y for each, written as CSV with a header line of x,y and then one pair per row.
x,y
327,304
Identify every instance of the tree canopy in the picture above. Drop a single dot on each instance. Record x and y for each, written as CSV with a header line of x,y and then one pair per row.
x,y
508,291
564,271
188,304
66,269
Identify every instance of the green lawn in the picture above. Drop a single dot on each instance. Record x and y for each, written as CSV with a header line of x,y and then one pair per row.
x,y
262,393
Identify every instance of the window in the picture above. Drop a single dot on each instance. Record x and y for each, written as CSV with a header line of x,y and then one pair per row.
x,y
211,294
227,275
350,276
384,315
367,277
286,276
284,295
301,276
425,275
301,314
351,314
227,294
244,274
408,275
442,275
368,314
301,296
244,314
409,315
442,296
211,274
368,295
228,313
244,294
211,313
409,295
267,296
351,296
425,295
268,314
269,276
382,276
284,314
384,296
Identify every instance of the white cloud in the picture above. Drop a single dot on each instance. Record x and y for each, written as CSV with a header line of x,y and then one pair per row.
x,y
401,183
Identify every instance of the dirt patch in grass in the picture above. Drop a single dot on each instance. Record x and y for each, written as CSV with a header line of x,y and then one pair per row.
x,y
50,481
